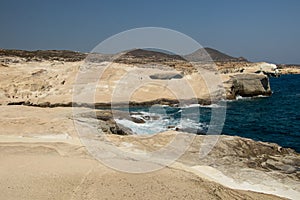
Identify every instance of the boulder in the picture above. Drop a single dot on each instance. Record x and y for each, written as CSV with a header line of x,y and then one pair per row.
x,y
119,129
249,85
137,120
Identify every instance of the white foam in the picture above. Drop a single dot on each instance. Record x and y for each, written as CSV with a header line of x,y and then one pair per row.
x,y
238,97
188,123
261,96
162,123
191,106
211,106
142,128
202,106
227,100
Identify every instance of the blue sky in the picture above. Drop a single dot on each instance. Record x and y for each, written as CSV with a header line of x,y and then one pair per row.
x,y
258,30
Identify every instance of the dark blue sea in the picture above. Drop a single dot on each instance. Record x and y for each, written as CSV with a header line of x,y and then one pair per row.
x,y
270,119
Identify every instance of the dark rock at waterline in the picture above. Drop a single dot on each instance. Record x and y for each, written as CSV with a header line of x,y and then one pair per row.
x,y
137,120
171,127
146,117
106,121
143,118
102,115
120,129
191,130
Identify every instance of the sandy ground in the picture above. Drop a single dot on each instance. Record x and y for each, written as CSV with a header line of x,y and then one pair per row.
x,y
41,157
36,175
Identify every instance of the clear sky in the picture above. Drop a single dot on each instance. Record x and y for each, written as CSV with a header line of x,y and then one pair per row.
x,y
260,30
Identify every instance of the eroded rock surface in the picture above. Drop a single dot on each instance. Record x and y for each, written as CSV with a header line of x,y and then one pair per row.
x,y
45,133
47,78
248,85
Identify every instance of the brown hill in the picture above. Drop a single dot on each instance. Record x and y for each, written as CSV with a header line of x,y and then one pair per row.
x,y
203,54
147,56
209,54
63,55
132,56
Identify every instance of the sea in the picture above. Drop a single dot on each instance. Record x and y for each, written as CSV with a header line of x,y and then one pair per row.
x,y
273,119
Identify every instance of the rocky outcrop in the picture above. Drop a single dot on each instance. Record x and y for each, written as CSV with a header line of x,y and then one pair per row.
x,y
248,85
263,68
247,153
166,76
248,162
106,122
247,67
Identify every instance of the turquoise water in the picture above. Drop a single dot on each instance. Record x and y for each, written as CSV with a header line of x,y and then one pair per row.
x,y
271,119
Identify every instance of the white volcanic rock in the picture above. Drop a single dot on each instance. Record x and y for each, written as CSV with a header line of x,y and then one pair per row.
x,y
38,140
55,83
263,67
37,82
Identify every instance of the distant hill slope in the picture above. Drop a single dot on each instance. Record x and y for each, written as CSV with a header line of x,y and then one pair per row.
x,y
140,55
204,54
215,55
147,56
63,55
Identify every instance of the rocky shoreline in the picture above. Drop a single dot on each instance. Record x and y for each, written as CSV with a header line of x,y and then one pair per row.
x,y
47,135
38,112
